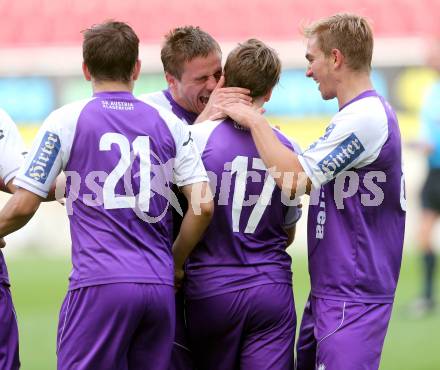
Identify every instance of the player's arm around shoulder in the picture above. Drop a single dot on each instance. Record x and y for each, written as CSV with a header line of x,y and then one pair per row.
x,y
281,162
352,140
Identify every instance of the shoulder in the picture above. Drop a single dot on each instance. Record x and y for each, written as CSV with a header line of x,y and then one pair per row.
x,y
369,109
204,127
201,132
287,141
157,98
69,111
166,115
366,119
158,101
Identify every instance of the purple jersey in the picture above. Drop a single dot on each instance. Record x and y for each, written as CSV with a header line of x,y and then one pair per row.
x,y
357,217
165,100
245,244
11,158
120,156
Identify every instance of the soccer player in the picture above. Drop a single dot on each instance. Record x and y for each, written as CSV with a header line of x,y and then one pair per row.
x,y
120,156
191,60
357,214
240,307
11,158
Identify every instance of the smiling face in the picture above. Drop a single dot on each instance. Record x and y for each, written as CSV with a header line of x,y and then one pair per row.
x,y
198,80
320,68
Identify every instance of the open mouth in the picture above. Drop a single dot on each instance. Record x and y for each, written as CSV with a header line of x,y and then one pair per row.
x,y
204,99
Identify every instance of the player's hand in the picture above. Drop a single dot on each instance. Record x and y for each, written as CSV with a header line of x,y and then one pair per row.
x,y
243,114
224,95
179,275
2,243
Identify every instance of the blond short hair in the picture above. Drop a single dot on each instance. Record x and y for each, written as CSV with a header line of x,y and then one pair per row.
x,y
349,33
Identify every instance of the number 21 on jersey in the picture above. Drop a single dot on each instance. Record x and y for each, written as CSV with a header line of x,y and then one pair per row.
x,y
141,148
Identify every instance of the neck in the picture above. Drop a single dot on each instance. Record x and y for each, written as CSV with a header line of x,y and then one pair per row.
x,y
181,103
259,101
102,86
353,85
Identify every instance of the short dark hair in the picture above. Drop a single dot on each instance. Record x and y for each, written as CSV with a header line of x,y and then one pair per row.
x,y
110,51
253,65
182,44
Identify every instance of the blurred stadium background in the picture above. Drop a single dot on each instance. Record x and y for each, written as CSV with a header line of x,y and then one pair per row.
x,y
40,70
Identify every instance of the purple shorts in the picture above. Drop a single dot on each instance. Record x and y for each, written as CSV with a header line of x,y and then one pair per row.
x,y
250,329
181,357
338,335
117,326
9,359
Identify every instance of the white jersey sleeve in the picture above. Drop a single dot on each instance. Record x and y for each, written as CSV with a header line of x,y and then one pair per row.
x,y
50,150
188,166
353,140
11,148
202,131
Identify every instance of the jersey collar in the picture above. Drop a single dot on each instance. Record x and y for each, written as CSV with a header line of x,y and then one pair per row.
x,y
363,95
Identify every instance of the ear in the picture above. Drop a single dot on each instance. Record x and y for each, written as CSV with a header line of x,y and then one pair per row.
x,y
337,58
268,95
137,70
171,80
86,72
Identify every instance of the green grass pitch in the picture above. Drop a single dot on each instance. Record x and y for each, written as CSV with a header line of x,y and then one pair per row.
x,y
39,285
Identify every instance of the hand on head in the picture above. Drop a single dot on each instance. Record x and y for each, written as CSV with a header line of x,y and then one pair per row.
x,y
224,95
245,115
